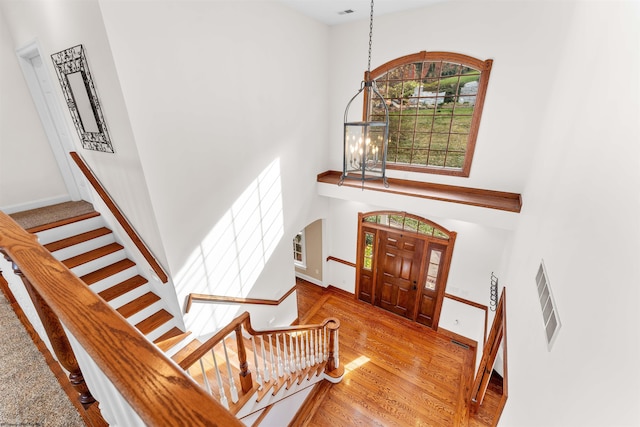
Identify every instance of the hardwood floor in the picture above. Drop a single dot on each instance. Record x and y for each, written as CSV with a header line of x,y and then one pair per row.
x,y
398,373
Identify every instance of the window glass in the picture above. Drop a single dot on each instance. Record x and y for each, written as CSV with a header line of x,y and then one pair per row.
x,y
299,250
368,250
435,102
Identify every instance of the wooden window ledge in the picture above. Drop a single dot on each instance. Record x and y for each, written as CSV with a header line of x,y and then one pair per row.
x,y
504,201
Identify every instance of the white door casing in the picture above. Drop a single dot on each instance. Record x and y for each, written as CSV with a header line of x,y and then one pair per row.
x,y
51,115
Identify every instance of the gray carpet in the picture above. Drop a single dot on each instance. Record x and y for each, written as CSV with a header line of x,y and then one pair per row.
x,y
30,394
50,214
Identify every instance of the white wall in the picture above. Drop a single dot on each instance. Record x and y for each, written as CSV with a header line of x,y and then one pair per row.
x,y
28,170
570,146
217,93
515,35
582,216
60,24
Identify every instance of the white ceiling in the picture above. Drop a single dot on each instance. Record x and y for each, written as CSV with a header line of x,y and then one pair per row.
x,y
328,11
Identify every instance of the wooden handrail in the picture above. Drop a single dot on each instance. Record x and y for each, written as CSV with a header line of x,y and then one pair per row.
x,y
341,261
497,336
191,298
119,216
154,386
279,358
245,320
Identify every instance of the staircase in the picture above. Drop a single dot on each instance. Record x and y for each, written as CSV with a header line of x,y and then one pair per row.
x,y
274,366
249,370
89,249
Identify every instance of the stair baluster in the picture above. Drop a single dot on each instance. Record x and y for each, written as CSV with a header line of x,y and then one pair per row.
x,y
292,355
207,386
223,396
285,354
307,358
255,361
303,363
280,366
264,360
274,373
232,383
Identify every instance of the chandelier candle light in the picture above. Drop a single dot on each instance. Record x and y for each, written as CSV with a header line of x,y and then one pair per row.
x,y
365,142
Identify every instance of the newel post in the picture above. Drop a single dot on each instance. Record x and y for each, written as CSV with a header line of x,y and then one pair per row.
x,y
57,337
245,375
333,368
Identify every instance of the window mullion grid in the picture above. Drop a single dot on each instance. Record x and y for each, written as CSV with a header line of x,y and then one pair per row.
x,y
415,125
453,111
433,118
398,132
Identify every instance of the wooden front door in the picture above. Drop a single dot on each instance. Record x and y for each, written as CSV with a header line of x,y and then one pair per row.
x,y
403,264
399,265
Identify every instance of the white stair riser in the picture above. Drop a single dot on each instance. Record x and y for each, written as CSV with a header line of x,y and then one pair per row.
x,y
162,329
68,230
270,399
91,266
113,280
145,312
129,296
83,247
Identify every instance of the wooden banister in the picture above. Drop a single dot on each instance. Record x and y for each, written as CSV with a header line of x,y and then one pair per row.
x,y
154,386
119,216
497,336
191,298
341,261
280,357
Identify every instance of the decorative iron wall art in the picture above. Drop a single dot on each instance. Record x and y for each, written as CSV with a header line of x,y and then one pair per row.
x,y
82,99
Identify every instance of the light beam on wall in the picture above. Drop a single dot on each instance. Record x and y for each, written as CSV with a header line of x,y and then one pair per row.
x,y
230,258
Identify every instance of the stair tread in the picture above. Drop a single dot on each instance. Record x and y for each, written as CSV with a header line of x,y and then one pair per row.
x,y
78,238
171,338
138,304
92,255
154,321
107,271
186,350
122,287
60,223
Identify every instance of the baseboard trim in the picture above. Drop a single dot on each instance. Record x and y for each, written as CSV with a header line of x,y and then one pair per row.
x,y
35,204
310,279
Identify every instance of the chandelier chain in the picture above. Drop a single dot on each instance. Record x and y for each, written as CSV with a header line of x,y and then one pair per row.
x,y
370,36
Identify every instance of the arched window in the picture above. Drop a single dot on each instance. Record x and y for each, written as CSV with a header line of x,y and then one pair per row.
x,y
435,102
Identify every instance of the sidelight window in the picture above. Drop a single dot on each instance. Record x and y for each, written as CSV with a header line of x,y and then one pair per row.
x,y
368,250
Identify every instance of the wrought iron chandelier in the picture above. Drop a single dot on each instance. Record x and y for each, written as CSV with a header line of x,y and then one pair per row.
x,y
366,140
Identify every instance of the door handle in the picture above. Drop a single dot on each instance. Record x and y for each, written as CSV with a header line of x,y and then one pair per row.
x,y
414,285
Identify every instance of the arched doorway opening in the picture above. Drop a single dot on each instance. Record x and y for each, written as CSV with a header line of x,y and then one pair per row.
x,y
403,264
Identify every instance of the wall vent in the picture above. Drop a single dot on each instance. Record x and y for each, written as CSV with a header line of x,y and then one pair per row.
x,y
548,306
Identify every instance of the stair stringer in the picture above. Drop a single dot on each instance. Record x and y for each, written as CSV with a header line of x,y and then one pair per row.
x,y
253,405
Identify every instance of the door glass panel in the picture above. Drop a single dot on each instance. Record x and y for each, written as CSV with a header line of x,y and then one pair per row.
x,y
432,269
368,251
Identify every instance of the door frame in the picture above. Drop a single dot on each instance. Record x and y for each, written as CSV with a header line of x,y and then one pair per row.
x,y
439,235
51,116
